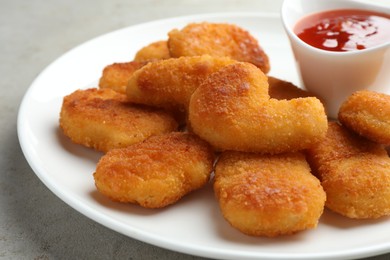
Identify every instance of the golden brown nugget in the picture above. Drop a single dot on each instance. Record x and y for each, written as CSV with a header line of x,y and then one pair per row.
x,y
232,110
102,119
268,195
157,172
367,113
354,172
154,51
117,75
170,83
280,89
217,39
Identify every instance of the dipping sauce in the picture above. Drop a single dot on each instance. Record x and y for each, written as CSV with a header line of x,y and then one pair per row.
x,y
344,30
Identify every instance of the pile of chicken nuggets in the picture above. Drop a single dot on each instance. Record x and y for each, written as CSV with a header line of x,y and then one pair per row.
x,y
200,107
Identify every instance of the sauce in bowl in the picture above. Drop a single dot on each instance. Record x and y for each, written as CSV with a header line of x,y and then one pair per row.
x,y
344,30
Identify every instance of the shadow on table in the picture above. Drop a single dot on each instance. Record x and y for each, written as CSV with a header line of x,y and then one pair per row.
x,y
38,225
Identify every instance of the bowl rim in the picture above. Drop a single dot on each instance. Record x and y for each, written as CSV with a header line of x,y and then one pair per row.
x,y
355,4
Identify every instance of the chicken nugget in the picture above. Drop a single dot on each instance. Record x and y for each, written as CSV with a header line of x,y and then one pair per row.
x,y
354,172
280,89
232,110
103,119
217,39
368,114
157,172
154,51
170,83
117,75
268,195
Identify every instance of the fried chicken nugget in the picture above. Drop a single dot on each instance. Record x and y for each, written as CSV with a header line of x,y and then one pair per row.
x,y
154,51
217,39
280,89
367,113
157,172
102,119
268,195
232,110
117,75
354,172
170,83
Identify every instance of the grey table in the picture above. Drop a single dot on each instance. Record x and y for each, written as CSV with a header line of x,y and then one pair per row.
x,y
34,223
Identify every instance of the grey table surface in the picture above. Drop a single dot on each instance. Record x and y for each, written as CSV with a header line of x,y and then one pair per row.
x,y
34,223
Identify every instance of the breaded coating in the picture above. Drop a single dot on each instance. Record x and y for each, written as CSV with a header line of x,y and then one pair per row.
x,y
268,195
117,75
102,119
233,111
157,172
280,89
170,83
217,39
354,172
367,113
154,51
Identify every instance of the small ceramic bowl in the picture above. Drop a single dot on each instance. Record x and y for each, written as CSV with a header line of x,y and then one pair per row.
x,y
333,76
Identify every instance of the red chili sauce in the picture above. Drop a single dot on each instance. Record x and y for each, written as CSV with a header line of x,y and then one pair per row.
x,y
344,30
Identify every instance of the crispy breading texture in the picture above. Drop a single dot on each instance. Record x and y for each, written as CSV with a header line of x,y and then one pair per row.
x,y
170,83
367,113
217,39
354,172
268,195
103,119
232,110
157,172
154,51
117,75
280,89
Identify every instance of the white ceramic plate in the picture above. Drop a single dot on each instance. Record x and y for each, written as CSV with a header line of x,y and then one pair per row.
x,y
194,225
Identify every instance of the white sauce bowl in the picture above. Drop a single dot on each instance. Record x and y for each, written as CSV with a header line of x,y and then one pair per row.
x,y
333,76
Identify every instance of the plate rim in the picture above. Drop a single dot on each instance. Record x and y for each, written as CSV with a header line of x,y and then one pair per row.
x,y
147,237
